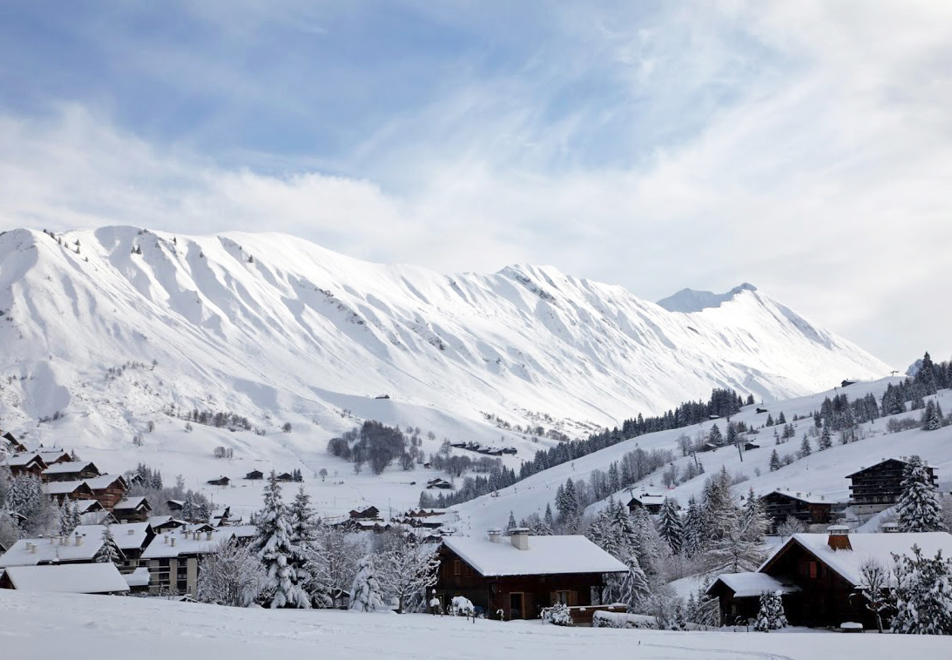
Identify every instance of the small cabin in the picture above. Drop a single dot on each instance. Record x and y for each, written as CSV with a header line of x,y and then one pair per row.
x,y
108,489
442,484
12,445
367,513
284,477
70,471
220,481
22,464
255,475
132,509
651,502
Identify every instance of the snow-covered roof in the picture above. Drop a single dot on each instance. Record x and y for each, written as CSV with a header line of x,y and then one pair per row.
x,y
808,498
130,502
104,481
84,506
127,536
648,499
62,487
241,531
70,467
546,555
70,578
138,578
186,543
50,455
20,460
745,585
847,563
30,552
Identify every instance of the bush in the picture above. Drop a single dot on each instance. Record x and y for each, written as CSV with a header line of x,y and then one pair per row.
x,y
558,615
462,606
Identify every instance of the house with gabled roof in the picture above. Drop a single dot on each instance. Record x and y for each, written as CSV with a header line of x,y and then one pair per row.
x,y
70,471
102,578
173,558
132,509
29,463
519,575
53,455
650,501
71,549
109,489
877,487
821,574
69,490
808,508
12,445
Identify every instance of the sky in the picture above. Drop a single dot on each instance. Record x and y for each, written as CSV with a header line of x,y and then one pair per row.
x,y
805,146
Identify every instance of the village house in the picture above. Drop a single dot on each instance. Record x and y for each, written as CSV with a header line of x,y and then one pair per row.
x,y
109,489
442,484
284,477
817,576
11,444
162,524
54,455
220,481
651,502
61,491
173,558
131,539
255,474
808,508
30,463
516,577
68,578
132,509
70,471
366,513
75,548
877,487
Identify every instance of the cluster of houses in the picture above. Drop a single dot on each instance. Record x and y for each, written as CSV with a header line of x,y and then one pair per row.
x,y
258,475
482,449
427,525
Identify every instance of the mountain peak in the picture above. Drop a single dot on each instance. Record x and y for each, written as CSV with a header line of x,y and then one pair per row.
x,y
687,301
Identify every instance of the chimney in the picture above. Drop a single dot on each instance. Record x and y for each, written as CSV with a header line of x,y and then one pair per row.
x,y
208,535
131,532
494,535
173,541
890,528
166,538
519,537
839,538
79,539
32,547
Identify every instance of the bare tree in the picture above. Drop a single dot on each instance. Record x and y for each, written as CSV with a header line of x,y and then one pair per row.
x,y
789,527
874,587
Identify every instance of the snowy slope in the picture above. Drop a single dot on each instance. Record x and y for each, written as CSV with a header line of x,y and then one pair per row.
x,y
111,327
821,473
111,627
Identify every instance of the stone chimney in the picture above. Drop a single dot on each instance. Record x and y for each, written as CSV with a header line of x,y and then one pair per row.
x,y
173,541
494,535
79,539
839,538
208,535
519,537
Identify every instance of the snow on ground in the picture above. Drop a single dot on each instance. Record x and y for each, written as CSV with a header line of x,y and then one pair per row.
x,y
106,628
821,473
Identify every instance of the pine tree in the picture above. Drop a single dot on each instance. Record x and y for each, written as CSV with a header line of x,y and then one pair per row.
x,y
108,552
671,526
365,594
547,519
771,615
770,420
932,418
826,440
731,434
775,461
635,588
188,508
273,545
923,595
919,506
693,529
512,522
307,558
805,449
715,437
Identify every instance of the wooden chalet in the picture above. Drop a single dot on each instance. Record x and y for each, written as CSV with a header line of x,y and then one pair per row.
x,y
877,487
818,576
367,513
29,463
132,509
70,471
54,455
516,577
175,505
12,445
808,508
255,475
442,484
161,524
69,490
750,446
284,477
109,489
220,481
651,502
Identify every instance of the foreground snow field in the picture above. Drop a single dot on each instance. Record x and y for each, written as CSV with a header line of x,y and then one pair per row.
x,y
34,626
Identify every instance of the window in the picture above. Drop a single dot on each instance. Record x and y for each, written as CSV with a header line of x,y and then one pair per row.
x,y
813,571
456,567
562,597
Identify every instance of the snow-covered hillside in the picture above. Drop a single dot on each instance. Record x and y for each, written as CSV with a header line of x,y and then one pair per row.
x,y
113,328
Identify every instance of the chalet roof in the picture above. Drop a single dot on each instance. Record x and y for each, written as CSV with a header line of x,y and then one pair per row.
x,y
105,481
648,499
131,503
809,498
87,506
547,555
127,536
746,585
876,465
70,578
193,544
880,547
23,460
138,578
241,531
50,455
52,550
64,487
70,467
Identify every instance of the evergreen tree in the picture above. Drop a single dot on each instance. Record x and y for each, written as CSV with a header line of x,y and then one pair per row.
x,y
512,522
693,529
770,420
923,596
919,506
932,418
775,461
715,437
826,440
365,594
272,543
781,419
547,519
671,526
635,588
108,552
771,615
805,449
188,508
731,434
307,557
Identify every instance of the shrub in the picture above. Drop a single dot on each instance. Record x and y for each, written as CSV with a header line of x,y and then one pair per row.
x,y
558,615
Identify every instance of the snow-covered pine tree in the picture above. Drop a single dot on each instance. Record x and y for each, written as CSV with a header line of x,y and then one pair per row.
x,y
511,524
805,448
693,529
671,526
775,461
188,508
548,519
365,594
635,589
108,552
932,418
272,544
826,439
781,419
923,596
919,507
715,437
771,615
308,559
233,576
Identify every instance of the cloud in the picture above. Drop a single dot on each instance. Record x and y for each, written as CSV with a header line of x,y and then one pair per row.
x,y
687,145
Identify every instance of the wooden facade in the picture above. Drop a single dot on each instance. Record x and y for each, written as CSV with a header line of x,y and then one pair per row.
x,y
108,490
220,481
809,510
512,597
21,466
78,472
878,487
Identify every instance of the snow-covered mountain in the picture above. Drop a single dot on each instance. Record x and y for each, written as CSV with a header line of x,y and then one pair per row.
x,y
272,327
